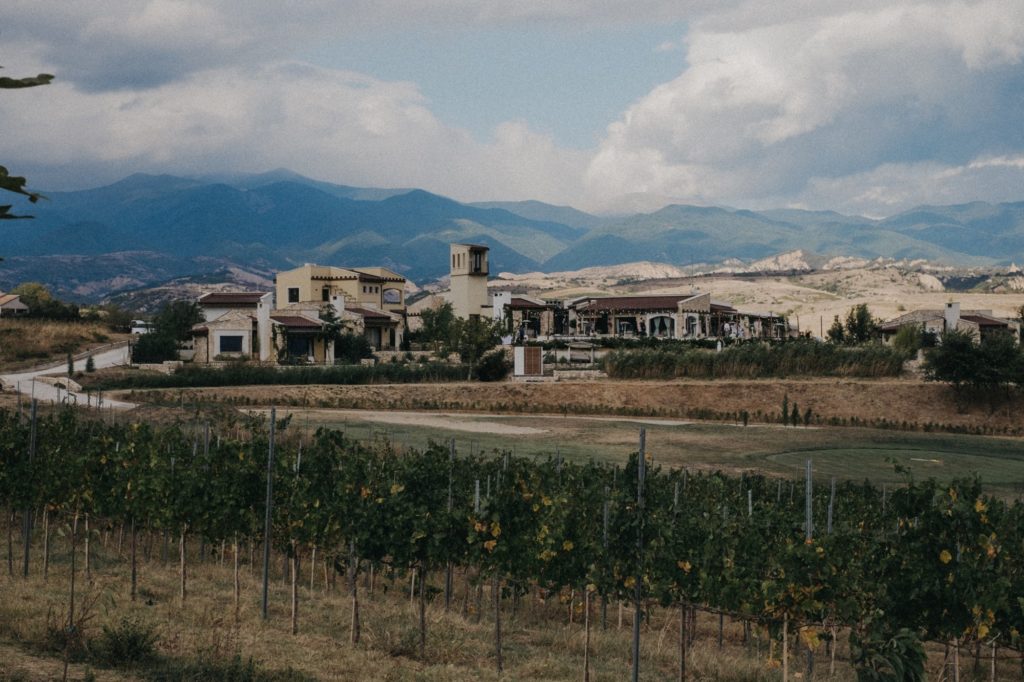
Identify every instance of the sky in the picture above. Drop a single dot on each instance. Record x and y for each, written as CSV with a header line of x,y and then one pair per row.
x,y
866,108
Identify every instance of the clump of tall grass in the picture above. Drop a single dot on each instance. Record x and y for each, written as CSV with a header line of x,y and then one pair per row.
x,y
756,361
31,339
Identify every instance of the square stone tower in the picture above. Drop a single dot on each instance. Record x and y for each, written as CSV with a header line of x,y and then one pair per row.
x,y
469,272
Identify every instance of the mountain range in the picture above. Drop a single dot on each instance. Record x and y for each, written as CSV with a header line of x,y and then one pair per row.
x,y
146,229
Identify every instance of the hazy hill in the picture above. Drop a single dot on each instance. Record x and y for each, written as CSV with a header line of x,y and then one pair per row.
x,y
181,227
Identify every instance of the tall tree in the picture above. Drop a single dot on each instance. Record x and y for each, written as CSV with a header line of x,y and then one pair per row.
x,y
860,325
175,319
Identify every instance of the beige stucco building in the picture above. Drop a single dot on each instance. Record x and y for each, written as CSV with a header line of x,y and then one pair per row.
x,y
368,301
979,324
237,325
468,291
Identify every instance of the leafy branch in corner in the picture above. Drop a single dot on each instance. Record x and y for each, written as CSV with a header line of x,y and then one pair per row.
x,y
16,183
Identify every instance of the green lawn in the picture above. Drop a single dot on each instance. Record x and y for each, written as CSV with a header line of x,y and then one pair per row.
x,y
853,453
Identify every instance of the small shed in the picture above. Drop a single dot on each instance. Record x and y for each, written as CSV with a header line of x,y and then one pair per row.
x,y
528,361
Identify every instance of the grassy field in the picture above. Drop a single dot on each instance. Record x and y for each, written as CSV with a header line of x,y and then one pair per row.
x,y
542,641
847,452
26,343
544,638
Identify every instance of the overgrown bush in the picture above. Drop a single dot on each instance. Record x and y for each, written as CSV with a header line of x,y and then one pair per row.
x,y
129,643
154,348
493,366
351,348
908,339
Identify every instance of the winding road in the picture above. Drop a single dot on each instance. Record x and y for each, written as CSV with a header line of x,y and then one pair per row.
x,y
28,382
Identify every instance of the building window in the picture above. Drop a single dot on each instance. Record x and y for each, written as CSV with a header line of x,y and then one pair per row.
x,y
293,294
230,344
325,295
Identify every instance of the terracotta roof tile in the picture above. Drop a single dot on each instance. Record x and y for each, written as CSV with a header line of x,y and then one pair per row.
x,y
232,298
296,321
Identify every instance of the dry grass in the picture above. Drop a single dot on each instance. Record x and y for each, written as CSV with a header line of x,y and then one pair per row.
x,y
908,399
28,342
540,644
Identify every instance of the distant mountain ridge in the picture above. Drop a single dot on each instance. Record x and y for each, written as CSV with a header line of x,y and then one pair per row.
x,y
186,226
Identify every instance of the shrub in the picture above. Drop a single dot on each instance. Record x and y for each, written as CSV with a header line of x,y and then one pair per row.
x,y
130,642
908,339
351,348
154,348
493,366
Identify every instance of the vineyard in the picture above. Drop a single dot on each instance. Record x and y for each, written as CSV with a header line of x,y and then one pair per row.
x,y
819,574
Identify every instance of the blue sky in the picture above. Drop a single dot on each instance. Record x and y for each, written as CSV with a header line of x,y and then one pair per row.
x,y
868,108
567,82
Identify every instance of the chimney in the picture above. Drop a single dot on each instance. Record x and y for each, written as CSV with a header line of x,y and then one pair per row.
x,y
338,303
952,316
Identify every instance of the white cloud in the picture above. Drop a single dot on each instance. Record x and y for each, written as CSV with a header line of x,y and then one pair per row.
x,y
330,124
793,95
818,102
891,188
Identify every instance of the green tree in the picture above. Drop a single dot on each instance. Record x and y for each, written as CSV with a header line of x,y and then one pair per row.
x,y
861,327
14,183
175,319
332,323
908,339
116,318
439,328
154,347
836,333
955,360
172,325
41,303
351,348
474,337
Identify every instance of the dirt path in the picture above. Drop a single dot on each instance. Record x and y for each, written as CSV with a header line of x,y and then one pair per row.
x,y
439,420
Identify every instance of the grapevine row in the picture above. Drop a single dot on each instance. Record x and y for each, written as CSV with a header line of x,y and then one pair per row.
x,y
925,561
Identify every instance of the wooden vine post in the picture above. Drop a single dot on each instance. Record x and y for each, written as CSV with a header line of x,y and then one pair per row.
x,y
448,566
586,636
237,582
353,572
181,561
641,466
497,622
267,516
294,559
135,569
26,515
